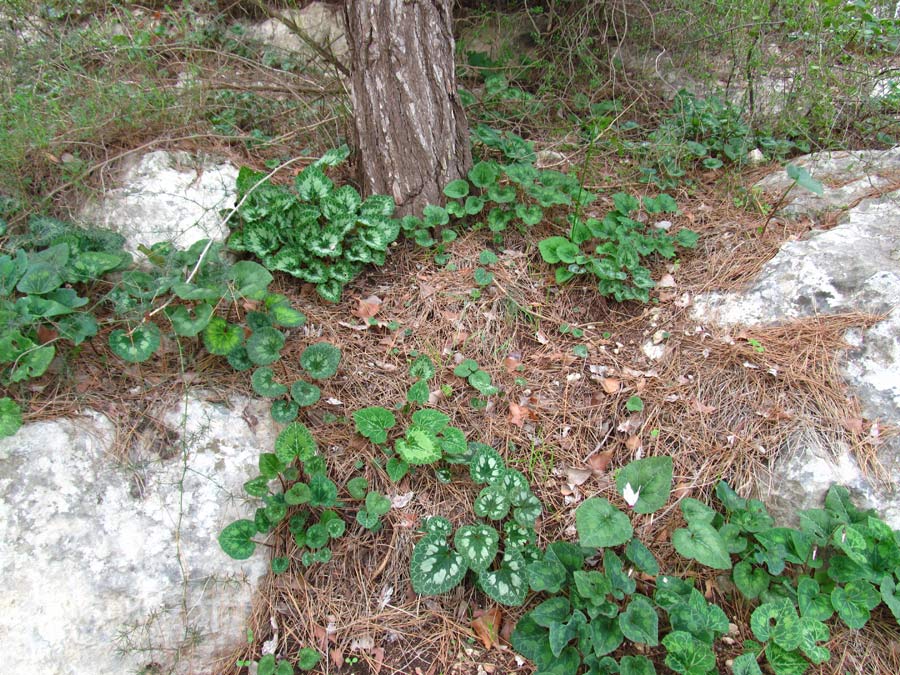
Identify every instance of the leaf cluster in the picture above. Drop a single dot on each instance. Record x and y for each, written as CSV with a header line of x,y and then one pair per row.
x,y
315,231
614,249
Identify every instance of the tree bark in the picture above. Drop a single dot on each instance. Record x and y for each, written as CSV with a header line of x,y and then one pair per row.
x,y
411,130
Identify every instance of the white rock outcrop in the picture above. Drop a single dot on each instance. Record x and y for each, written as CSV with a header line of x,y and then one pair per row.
x,y
167,196
108,567
852,267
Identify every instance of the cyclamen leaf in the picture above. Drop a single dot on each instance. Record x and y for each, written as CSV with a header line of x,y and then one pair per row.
x,y
430,420
701,542
639,622
279,308
418,393
295,442
466,367
220,337
600,524
642,557
546,575
320,360
136,346
651,478
457,189
533,642
636,665
779,622
751,581
250,279
438,525
284,412
323,491
491,503
508,585
236,539
687,655
264,384
477,544
434,567
10,417
264,346
304,393
183,324
487,466
374,423
418,447
853,602
422,368
784,661
746,664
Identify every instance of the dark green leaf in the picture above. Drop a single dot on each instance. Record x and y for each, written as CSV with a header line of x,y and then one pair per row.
x,y
600,524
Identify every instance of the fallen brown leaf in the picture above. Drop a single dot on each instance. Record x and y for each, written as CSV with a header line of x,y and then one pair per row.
x,y
519,414
367,307
610,385
633,443
487,627
512,361
378,657
337,657
599,462
576,477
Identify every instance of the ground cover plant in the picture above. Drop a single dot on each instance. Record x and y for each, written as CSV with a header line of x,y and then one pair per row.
x,y
478,466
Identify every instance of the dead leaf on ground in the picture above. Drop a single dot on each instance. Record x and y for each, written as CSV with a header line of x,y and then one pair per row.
x,y
682,490
633,443
610,385
666,281
512,362
599,462
487,627
337,657
702,407
519,414
367,307
854,424
378,658
576,477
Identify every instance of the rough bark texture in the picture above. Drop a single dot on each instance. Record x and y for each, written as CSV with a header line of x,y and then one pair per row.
x,y
410,126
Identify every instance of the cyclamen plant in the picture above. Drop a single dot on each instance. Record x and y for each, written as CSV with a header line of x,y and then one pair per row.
x,y
316,232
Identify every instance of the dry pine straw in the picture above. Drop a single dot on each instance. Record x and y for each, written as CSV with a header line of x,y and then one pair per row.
x,y
716,417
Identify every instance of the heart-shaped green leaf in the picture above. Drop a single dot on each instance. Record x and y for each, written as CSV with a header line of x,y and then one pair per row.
x,y
487,466
650,479
508,584
295,442
237,539
136,346
220,337
751,581
264,346
185,325
600,524
304,393
418,447
320,360
434,567
687,655
264,384
284,412
477,544
639,622
10,417
492,503
701,542
374,423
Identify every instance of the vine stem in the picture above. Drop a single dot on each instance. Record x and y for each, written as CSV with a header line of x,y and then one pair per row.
x,y
209,243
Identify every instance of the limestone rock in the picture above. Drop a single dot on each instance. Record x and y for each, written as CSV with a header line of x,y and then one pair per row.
x,y
855,266
321,22
846,176
108,567
167,196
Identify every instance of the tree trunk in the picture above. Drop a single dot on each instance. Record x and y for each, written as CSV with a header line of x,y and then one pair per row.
x,y
411,130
